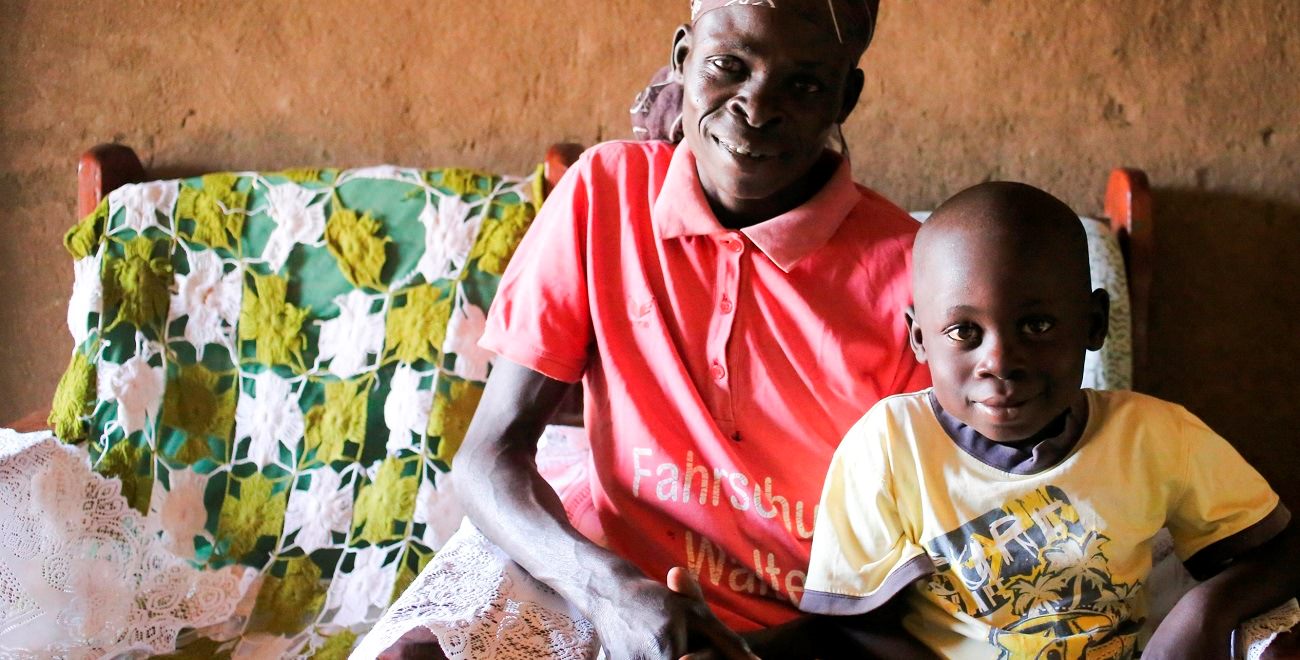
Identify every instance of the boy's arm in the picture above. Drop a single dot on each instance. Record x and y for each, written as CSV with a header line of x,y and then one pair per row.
x,y
1202,621
877,634
862,560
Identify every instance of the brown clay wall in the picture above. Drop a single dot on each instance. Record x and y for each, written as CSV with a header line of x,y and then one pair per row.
x,y
1203,95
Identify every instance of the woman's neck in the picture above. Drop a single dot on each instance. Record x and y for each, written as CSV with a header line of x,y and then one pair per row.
x,y
740,213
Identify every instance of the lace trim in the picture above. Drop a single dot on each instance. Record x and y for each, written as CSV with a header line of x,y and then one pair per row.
x,y
1260,631
480,604
82,574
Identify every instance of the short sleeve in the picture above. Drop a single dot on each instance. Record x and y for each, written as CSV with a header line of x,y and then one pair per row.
x,y
1225,507
861,554
540,317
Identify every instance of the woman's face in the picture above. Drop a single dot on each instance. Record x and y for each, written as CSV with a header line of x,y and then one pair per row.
x,y
761,92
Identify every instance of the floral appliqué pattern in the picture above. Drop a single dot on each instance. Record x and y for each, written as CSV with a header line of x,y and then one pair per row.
x,y
279,367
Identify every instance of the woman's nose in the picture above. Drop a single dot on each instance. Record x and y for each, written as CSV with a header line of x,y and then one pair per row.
x,y
757,104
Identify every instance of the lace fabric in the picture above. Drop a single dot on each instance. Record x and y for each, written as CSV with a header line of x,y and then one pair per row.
x,y
1260,631
480,604
82,574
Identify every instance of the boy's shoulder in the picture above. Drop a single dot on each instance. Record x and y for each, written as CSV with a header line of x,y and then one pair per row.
x,y
1134,411
888,418
900,407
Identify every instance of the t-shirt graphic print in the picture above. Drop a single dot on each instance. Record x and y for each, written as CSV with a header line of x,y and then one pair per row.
x,y
1032,566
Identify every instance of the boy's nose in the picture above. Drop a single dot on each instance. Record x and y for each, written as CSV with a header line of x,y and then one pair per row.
x,y
1000,359
757,104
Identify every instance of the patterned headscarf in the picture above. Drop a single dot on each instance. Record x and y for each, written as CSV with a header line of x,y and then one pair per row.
x,y
657,110
853,22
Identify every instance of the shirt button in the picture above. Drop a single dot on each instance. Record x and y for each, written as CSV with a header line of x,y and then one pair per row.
x,y
717,371
726,306
732,243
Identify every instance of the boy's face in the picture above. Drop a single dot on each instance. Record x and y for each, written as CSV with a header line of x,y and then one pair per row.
x,y
1003,325
761,92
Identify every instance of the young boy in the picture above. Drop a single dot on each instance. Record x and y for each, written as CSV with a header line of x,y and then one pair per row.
x,y
1010,513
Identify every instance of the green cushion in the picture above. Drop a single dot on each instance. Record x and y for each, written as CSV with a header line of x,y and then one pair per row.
x,y
283,365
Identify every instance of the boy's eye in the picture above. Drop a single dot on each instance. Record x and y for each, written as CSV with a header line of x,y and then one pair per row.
x,y
1038,326
808,86
961,333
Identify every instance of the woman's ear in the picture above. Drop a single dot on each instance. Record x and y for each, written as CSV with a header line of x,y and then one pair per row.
x,y
681,49
914,334
1098,319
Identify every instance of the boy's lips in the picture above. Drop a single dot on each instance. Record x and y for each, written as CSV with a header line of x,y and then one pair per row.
x,y
1005,408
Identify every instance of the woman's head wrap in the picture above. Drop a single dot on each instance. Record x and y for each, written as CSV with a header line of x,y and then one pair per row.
x,y
657,110
853,22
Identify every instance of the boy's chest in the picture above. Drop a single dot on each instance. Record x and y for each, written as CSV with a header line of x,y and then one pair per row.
x,y
1063,553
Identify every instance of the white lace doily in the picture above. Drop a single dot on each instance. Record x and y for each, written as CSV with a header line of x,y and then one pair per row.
x,y
482,605
83,575
1260,631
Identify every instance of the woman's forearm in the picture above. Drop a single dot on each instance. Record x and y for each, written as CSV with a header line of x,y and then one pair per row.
x,y
507,499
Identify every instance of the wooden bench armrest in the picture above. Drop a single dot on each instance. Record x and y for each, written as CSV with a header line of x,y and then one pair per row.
x,y
1128,206
33,422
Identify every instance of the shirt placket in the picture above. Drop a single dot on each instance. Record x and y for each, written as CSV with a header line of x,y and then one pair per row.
x,y
731,252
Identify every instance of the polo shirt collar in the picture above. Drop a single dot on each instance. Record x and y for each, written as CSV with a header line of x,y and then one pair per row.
x,y
682,210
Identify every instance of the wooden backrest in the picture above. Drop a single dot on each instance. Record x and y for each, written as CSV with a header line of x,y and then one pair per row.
x,y
103,169
1128,207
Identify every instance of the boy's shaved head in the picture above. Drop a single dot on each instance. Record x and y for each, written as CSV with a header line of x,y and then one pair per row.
x,y
1003,312
1010,217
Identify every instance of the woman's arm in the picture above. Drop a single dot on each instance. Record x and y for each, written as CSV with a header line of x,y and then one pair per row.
x,y
507,499
1202,621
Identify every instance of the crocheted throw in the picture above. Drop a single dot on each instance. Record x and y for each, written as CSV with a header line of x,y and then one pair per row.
x,y
280,368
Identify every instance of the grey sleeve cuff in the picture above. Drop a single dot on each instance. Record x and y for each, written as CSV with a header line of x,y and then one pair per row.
x,y
821,602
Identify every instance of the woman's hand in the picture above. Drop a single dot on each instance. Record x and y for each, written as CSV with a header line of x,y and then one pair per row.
x,y
665,623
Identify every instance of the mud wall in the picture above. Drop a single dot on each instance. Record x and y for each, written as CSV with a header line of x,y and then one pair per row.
x,y
1200,94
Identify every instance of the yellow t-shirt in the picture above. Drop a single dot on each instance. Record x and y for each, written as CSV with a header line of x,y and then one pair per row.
x,y
1020,565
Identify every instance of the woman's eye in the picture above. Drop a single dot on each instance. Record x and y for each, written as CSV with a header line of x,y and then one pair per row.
x,y
961,333
728,64
1039,326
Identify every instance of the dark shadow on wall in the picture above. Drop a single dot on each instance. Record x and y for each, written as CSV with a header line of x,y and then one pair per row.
x,y
1224,339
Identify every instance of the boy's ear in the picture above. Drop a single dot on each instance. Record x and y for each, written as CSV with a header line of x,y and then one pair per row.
x,y
914,334
1098,319
852,93
681,48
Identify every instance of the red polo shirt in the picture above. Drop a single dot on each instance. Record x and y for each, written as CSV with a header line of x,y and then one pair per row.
x,y
721,367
